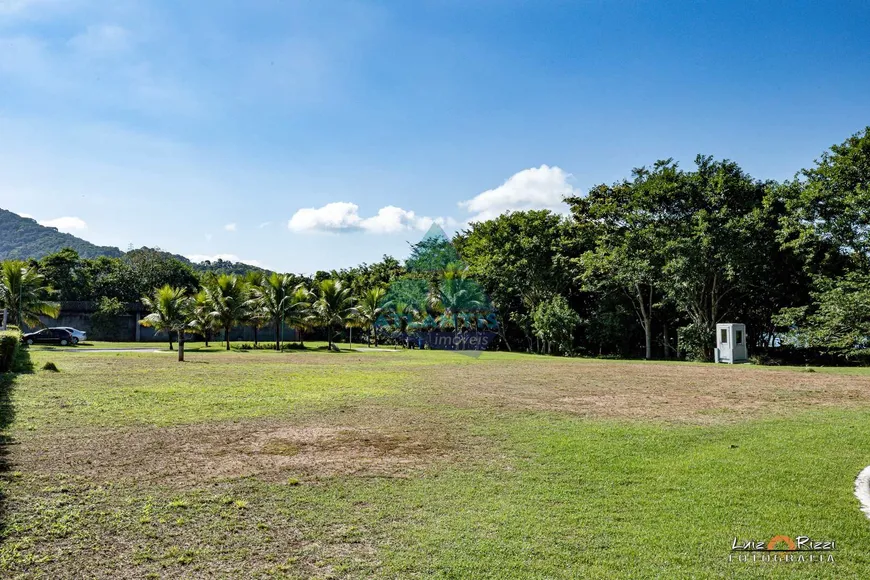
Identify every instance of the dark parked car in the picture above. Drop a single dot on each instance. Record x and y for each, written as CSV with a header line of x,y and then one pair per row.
x,y
49,336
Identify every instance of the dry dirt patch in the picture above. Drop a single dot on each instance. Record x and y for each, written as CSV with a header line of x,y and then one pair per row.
x,y
350,444
668,392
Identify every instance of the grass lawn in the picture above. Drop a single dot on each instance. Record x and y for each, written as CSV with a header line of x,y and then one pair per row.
x,y
423,464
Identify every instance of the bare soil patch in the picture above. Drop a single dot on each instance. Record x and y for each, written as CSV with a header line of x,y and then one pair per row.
x,y
666,392
359,442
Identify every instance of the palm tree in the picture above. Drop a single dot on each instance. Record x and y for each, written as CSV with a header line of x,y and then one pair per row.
x,y
352,321
277,300
403,314
456,294
302,316
229,302
369,309
25,294
332,306
256,317
170,311
202,319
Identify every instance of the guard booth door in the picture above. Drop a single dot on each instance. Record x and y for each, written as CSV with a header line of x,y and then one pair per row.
x,y
724,345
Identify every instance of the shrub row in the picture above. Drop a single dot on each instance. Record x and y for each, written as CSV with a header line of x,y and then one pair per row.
x,y
790,355
267,346
9,343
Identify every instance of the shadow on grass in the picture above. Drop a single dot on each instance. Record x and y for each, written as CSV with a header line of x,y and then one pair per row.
x,y
22,364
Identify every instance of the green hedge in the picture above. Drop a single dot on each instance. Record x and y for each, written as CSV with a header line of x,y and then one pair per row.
x,y
9,342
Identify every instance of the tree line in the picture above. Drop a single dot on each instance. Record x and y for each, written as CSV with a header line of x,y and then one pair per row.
x,y
644,267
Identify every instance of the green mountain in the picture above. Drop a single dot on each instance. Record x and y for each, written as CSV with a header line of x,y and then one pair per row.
x,y
23,238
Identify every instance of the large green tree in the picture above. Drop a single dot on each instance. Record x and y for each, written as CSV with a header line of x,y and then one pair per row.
x,y
711,251
828,209
836,321
519,259
626,225
66,273
827,223
114,278
152,268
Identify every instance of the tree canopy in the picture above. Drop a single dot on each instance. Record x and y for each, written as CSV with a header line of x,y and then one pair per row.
x,y
645,266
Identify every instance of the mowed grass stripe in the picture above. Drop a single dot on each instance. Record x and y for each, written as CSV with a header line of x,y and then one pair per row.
x,y
589,498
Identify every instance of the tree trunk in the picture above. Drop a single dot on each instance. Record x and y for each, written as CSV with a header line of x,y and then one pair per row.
x,y
170,339
256,332
644,315
227,337
181,346
647,331
666,341
503,336
278,336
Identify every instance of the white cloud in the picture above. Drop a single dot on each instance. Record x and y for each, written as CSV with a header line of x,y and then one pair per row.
x,y
26,215
265,225
333,217
344,216
197,258
543,187
392,219
65,224
230,227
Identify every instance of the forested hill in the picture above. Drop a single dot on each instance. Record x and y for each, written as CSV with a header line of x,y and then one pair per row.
x,y
218,266
23,238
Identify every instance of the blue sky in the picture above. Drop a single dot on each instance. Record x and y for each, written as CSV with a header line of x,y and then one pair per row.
x,y
316,135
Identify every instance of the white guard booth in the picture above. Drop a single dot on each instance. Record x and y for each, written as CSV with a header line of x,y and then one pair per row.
x,y
731,343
